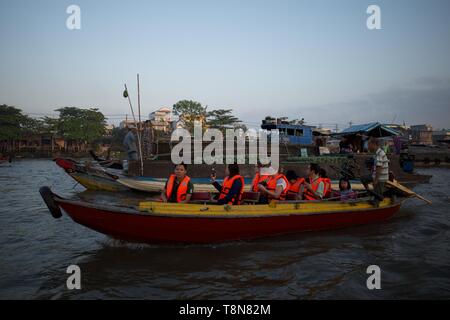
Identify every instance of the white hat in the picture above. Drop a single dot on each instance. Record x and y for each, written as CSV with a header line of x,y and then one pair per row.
x,y
270,171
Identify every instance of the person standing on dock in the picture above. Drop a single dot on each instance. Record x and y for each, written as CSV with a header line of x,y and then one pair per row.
x,y
380,172
130,144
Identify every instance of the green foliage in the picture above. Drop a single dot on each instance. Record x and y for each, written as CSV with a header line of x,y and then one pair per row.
x,y
189,111
11,119
222,119
13,124
83,125
117,136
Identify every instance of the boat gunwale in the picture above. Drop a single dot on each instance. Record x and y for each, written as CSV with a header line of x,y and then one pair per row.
x,y
111,209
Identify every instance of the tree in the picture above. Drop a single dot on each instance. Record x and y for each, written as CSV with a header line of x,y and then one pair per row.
x,y
11,122
117,136
223,119
81,125
189,111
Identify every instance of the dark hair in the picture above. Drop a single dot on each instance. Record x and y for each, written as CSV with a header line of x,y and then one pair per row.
x,y
233,169
182,164
323,173
314,167
291,175
348,183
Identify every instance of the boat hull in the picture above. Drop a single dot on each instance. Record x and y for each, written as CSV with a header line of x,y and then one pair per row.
x,y
97,183
134,226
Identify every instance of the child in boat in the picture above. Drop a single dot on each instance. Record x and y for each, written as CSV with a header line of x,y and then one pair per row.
x,y
296,185
345,192
178,187
233,186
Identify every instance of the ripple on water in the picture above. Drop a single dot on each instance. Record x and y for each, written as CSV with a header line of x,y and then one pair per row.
x,y
411,249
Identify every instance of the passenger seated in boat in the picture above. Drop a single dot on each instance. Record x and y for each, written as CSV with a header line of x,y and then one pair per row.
x,y
275,188
178,187
296,185
345,192
233,186
314,189
327,183
258,177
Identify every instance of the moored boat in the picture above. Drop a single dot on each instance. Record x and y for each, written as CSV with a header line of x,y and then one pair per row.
x,y
91,178
157,222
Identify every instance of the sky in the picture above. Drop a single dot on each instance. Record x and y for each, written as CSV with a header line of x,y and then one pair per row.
x,y
311,59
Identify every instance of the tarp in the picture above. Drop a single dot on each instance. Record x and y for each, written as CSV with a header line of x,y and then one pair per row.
x,y
374,129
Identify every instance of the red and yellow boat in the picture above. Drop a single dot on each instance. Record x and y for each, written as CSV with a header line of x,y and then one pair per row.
x,y
157,222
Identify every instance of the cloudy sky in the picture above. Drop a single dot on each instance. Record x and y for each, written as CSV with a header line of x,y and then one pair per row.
x,y
311,59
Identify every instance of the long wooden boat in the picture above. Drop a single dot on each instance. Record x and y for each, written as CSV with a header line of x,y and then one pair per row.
x,y
157,222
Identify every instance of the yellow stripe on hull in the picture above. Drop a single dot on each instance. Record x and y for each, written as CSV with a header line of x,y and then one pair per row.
x,y
95,184
179,210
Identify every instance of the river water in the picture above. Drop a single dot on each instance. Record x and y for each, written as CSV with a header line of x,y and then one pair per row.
x,y
412,250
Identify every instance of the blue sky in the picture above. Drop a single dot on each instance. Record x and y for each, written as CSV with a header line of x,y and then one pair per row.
x,y
314,59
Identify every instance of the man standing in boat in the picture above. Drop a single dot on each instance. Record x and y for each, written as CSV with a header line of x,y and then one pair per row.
x,y
130,143
380,171
178,188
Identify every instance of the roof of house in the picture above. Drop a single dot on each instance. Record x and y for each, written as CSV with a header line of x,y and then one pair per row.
x,y
375,129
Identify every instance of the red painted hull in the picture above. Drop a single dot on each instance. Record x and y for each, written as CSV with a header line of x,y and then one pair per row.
x,y
162,229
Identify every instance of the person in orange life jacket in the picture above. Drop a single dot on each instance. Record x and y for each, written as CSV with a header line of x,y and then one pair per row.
x,y
327,183
276,188
314,189
258,177
296,184
233,186
178,187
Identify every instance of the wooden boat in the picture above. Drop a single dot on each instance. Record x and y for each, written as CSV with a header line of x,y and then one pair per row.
x,y
105,163
91,178
157,222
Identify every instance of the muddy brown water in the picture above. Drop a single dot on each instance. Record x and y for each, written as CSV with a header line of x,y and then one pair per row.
x,y
412,250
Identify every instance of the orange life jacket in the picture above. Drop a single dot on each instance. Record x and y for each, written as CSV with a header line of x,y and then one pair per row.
x,y
327,187
314,186
294,188
182,188
257,180
272,185
227,184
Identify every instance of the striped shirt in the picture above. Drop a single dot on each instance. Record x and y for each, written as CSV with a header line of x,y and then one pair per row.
x,y
381,161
